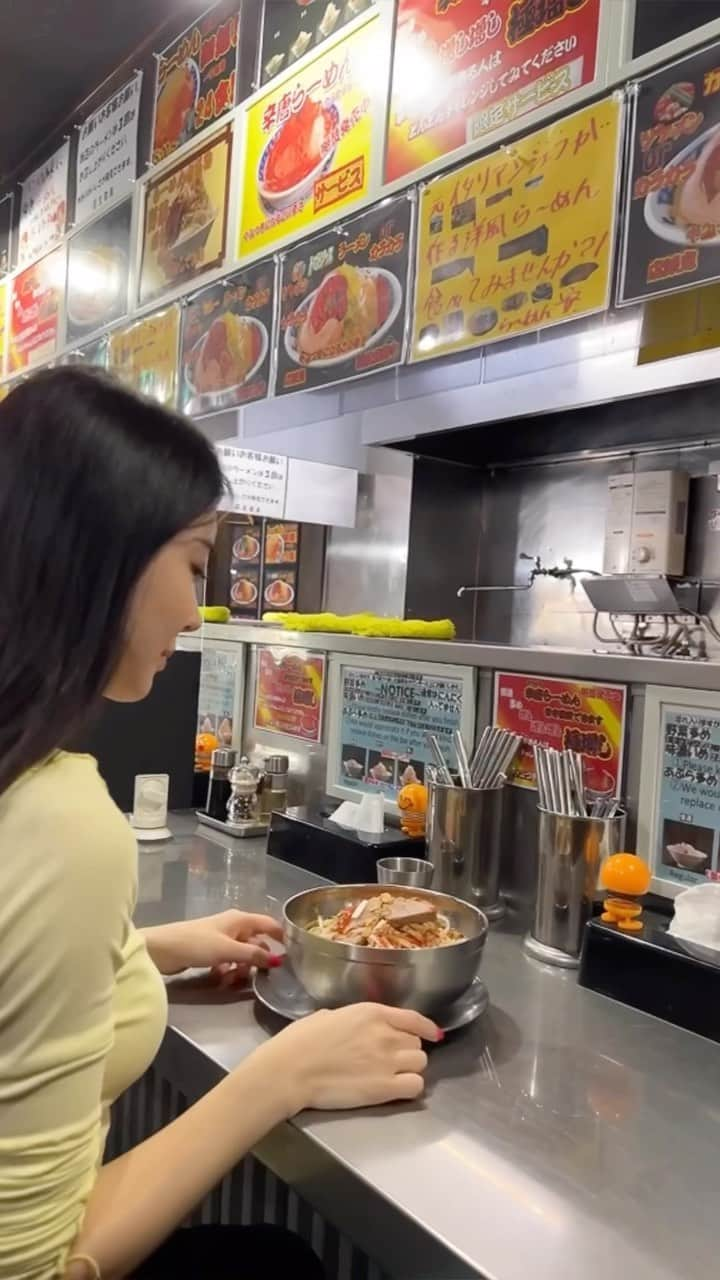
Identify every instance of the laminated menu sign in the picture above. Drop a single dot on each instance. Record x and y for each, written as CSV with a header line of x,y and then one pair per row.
x,y
98,273
292,28
43,207
671,236
186,218
289,692
35,308
565,714
258,481
107,152
386,717
343,300
225,346
465,68
7,204
196,76
686,822
145,354
219,674
521,238
308,141
94,354
3,327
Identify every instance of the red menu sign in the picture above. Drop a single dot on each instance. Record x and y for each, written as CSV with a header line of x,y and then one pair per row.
x,y
463,69
289,692
37,296
574,714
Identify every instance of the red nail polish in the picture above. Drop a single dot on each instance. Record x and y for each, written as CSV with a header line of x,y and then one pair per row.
x,y
274,962
440,1037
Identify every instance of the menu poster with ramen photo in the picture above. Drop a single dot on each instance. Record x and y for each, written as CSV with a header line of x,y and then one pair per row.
x,y
196,79
145,354
226,347
343,300
289,692
35,308
186,210
98,273
671,235
308,141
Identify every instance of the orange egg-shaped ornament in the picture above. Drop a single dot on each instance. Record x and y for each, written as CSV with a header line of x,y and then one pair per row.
x,y
626,874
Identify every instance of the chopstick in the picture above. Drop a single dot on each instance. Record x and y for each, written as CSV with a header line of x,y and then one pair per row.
x,y
561,787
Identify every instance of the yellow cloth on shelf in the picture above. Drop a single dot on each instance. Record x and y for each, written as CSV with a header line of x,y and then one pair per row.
x,y
365,624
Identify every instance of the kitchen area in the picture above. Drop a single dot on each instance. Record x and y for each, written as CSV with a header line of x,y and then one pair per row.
x,y
440,283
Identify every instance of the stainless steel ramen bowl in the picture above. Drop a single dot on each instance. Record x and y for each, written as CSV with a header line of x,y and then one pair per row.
x,y
339,973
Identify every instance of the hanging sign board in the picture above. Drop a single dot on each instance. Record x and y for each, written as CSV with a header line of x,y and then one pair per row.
x,y
258,481
195,82
43,207
107,152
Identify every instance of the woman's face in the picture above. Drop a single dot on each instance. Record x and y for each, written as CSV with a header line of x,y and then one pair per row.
x,y
164,603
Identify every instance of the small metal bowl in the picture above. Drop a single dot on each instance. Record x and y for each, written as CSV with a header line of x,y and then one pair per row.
x,y
339,973
409,871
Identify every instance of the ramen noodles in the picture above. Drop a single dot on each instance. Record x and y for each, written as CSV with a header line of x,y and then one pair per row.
x,y
370,924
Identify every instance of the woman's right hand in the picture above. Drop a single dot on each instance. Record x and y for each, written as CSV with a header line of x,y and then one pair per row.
x,y
359,1056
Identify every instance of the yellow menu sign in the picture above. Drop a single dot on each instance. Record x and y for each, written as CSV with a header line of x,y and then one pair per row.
x,y
521,238
145,355
308,142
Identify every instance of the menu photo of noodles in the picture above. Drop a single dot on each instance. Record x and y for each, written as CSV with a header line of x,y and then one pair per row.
x,y
186,210
195,81
225,346
98,273
671,236
343,299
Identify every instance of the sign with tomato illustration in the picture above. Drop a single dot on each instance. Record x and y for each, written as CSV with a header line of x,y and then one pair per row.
x,y
289,692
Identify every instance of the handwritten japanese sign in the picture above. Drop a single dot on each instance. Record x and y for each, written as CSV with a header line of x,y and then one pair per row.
x,y
107,152
98,273
343,300
35,308
196,79
574,714
289,692
521,238
145,354
258,481
43,207
308,142
186,218
464,68
672,208
7,204
226,346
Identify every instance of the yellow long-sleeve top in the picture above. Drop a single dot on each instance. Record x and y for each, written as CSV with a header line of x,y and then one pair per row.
x,y
82,1007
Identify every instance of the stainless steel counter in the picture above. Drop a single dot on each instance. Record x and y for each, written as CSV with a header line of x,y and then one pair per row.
x,y
563,1137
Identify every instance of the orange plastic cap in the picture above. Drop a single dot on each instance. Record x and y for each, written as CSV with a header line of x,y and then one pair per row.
x,y
626,873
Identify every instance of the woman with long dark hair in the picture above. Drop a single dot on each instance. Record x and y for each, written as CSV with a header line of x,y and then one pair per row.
x,y
108,514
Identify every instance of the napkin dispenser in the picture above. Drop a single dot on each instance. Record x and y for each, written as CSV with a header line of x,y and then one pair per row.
x,y
308,838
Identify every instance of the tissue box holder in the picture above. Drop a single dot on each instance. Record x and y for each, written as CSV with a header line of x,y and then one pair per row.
x,y
309,839
652,972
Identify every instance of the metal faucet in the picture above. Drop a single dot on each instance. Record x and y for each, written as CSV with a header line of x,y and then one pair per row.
x,y
565,573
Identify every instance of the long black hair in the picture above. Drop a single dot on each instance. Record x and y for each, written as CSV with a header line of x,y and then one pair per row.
x,y
94,480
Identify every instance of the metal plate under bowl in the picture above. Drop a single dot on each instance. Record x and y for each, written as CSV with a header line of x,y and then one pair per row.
x,y
280,991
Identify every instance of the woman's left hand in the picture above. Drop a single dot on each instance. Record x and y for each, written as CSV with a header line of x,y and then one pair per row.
x,y
231,944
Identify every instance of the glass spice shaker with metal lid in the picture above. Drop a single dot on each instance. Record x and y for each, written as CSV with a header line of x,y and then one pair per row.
x,y
244,787
218,794
273,796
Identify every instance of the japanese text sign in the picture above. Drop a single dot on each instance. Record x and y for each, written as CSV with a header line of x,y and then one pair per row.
x,y
226,341
464,68
564,714
671,236
686,823
43,207
7,205
521,238
289,692
36,303
3,327
145,354
186,218
107,152
196,79
308,141
343,299
258,481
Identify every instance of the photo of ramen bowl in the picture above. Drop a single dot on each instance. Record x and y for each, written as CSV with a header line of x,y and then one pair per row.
x,y
244,592
175,106
349,312
226,358
339,973
246,547
297,154
672,212
97,286
275,548
279,593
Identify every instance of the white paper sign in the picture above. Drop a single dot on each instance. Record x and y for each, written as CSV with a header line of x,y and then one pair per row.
x,y
258,481
43,207
107,152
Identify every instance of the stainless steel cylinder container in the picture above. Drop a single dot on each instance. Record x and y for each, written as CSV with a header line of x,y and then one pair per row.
x,y
463,844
